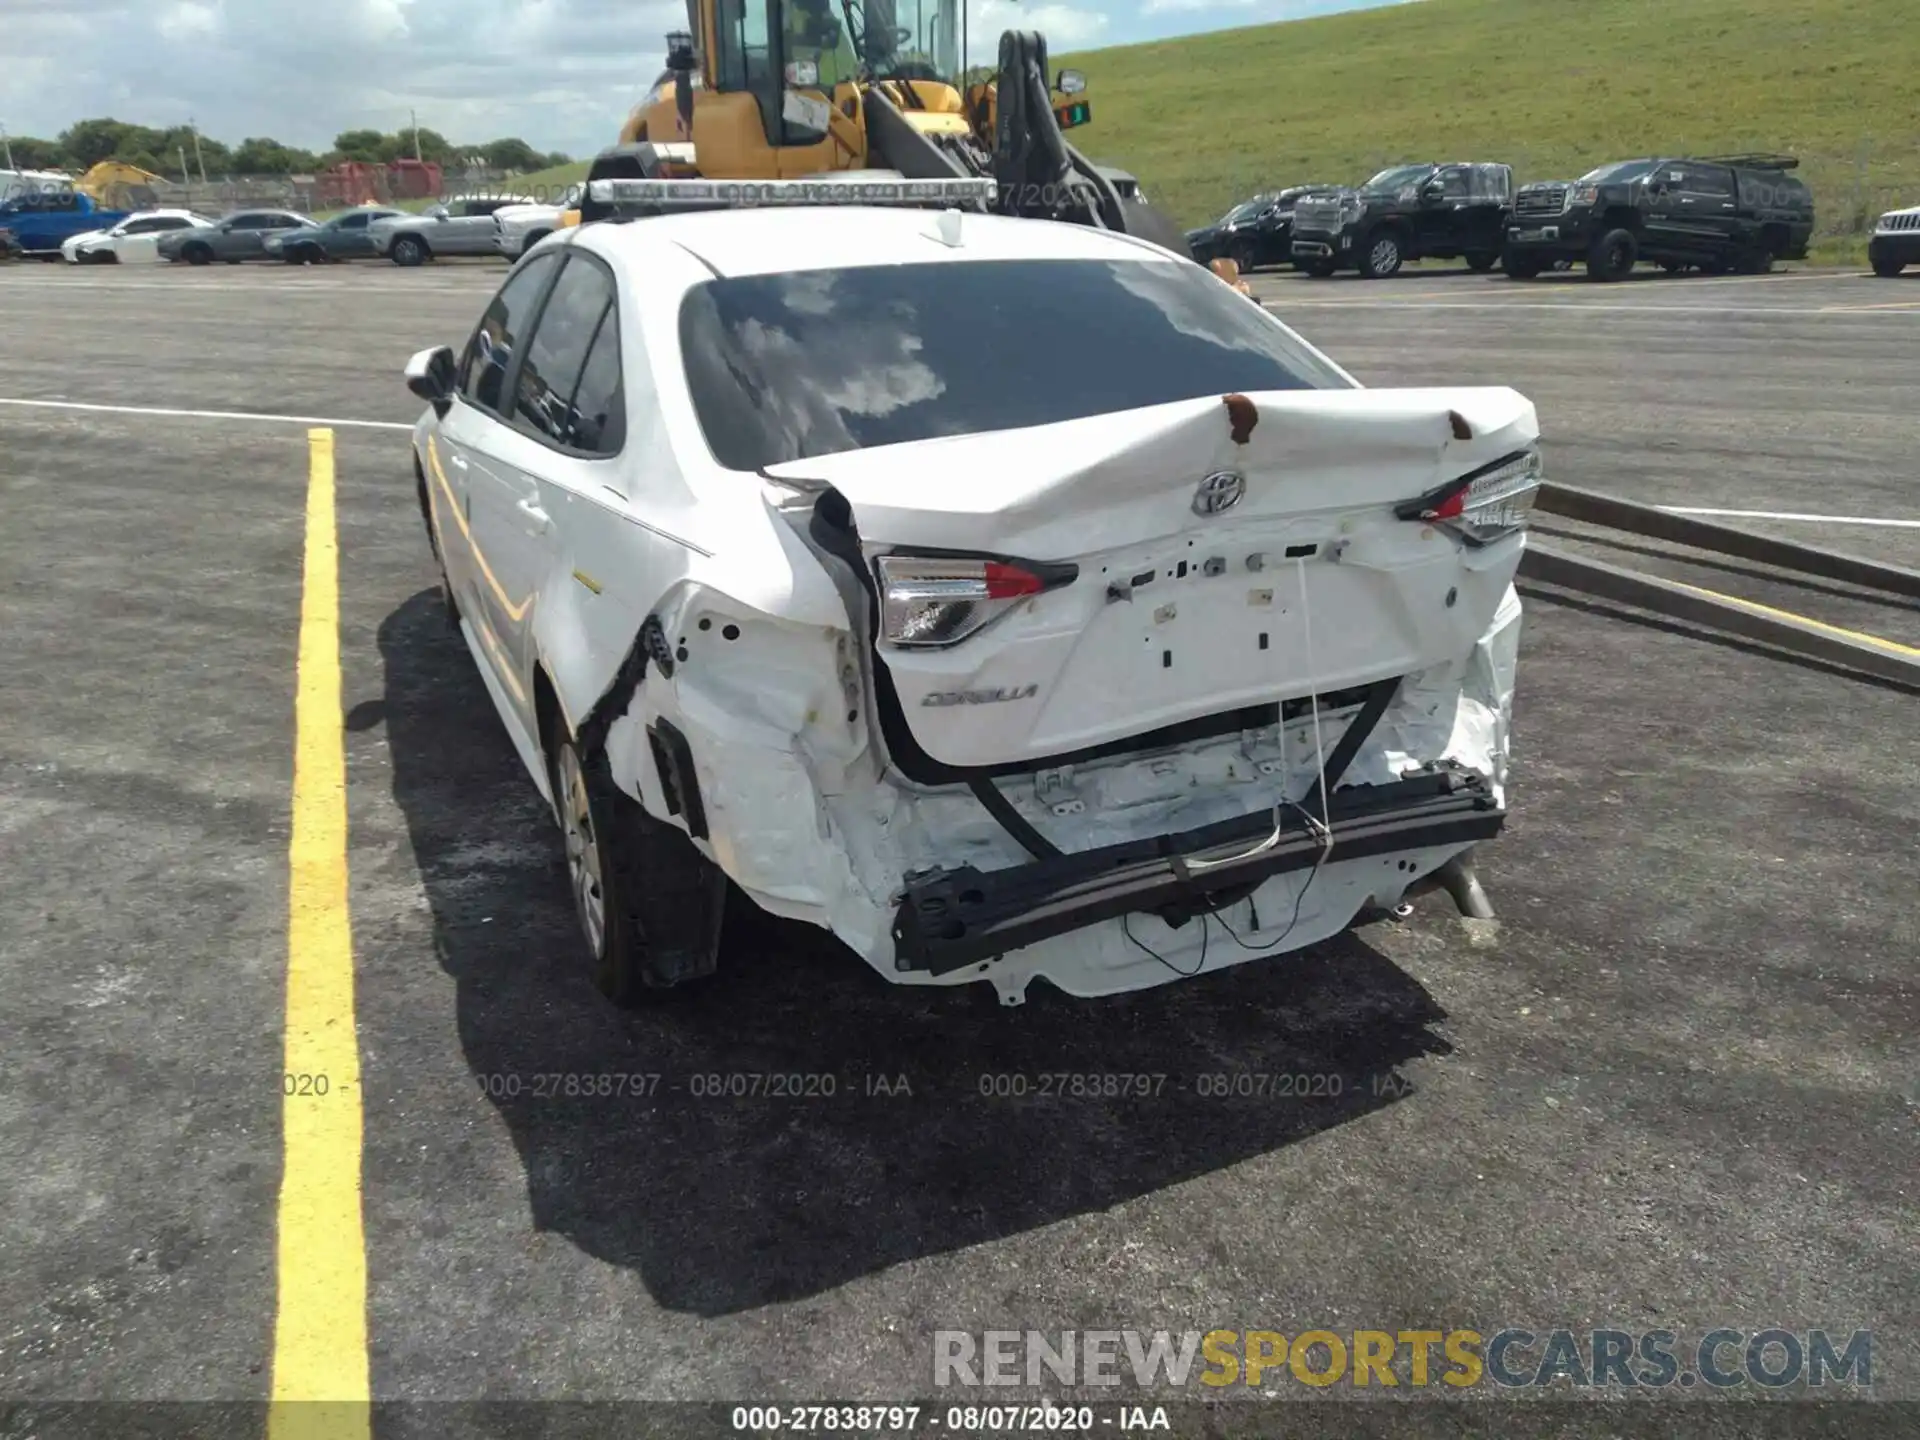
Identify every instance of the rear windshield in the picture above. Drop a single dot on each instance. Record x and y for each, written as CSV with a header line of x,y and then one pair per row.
x,y
791,366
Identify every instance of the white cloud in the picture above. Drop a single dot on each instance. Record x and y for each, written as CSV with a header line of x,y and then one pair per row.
x,y
1065,27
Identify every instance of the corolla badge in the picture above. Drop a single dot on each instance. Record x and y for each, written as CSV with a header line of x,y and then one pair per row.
x,y
1218,493
998,696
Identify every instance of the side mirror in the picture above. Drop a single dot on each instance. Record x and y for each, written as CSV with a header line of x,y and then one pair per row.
x,y
1433,192
430,376
1070,82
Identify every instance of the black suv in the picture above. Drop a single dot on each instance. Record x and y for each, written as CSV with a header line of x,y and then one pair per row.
x,y
1255,232
1732,212
1408,212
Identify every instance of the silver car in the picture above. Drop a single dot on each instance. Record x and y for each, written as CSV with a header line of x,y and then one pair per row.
x,y
458,227
239,236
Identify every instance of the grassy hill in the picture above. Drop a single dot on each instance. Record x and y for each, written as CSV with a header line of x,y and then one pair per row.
x,y
1552,87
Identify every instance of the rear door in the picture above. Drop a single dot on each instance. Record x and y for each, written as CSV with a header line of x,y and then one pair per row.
x,y
242,237
1712,210
464,467
516,464
469,231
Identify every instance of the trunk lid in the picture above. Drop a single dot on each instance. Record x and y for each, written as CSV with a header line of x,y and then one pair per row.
x,y
1182,608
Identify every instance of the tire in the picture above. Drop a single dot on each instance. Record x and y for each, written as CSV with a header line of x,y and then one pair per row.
x,y
1886,269
1244,259
648,902
1481,261
1758,260
1149,224
1381,255
1317,269
1520,267
197,255
1611,256
410,250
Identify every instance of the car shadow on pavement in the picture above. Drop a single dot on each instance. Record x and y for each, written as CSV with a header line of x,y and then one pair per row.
x,y
898,1136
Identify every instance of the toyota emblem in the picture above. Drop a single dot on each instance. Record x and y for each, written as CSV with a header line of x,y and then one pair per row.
x,y
1218,493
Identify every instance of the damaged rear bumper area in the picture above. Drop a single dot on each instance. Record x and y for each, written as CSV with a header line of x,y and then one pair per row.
x,y
949,920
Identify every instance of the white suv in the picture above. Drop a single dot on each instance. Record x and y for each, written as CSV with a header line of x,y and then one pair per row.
x,y
797,553
1895,243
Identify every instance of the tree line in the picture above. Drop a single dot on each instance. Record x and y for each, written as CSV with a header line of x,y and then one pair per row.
x,y
88,142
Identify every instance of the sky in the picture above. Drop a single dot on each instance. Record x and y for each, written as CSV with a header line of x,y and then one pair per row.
x,y
560,74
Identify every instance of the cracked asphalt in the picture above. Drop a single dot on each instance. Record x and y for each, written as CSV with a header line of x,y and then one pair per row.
x,y
1673,1086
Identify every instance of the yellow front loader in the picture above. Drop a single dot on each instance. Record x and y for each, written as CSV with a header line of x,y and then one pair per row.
x,y
785,89
115,185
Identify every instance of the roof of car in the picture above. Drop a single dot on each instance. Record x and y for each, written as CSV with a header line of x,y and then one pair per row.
x,y
779,238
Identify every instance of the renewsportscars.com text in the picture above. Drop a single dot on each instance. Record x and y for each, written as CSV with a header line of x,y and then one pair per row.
x,y
1720,1359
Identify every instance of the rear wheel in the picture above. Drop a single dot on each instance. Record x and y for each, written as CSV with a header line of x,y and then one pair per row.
x,y
197,255
1758,260
1481,261
1886,267
1612,255
648,902
1318,269
409,250
1243,258
1519,266
1381,255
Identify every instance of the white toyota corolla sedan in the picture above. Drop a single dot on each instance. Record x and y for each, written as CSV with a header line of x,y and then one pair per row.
x,y
124,242
1012,598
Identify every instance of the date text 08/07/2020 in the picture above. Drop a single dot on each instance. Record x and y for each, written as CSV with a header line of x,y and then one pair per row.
x,y
1043,1418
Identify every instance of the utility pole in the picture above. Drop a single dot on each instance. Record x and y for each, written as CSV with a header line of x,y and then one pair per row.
x,y
198,159
416,133
186,177
7,145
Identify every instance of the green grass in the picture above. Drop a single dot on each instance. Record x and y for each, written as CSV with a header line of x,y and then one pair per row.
x,y
553,182
1551,87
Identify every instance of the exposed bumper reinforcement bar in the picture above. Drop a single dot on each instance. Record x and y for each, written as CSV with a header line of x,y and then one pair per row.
x,y
954,918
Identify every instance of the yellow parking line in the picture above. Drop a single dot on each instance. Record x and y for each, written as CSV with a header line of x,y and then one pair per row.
x,y
320,1326
1758,608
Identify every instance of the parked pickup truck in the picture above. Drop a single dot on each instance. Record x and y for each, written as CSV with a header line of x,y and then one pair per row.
x,y
1730,212
518,228
1420,211
43,220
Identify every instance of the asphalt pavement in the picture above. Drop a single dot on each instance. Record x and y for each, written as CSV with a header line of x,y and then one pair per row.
x,y
1672,1086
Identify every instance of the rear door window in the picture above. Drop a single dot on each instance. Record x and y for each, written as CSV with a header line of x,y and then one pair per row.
x,y
557,350
1708,180
489,354
787,366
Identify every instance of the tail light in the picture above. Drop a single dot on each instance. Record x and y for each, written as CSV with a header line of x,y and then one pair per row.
x,y
936,600
1485,505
